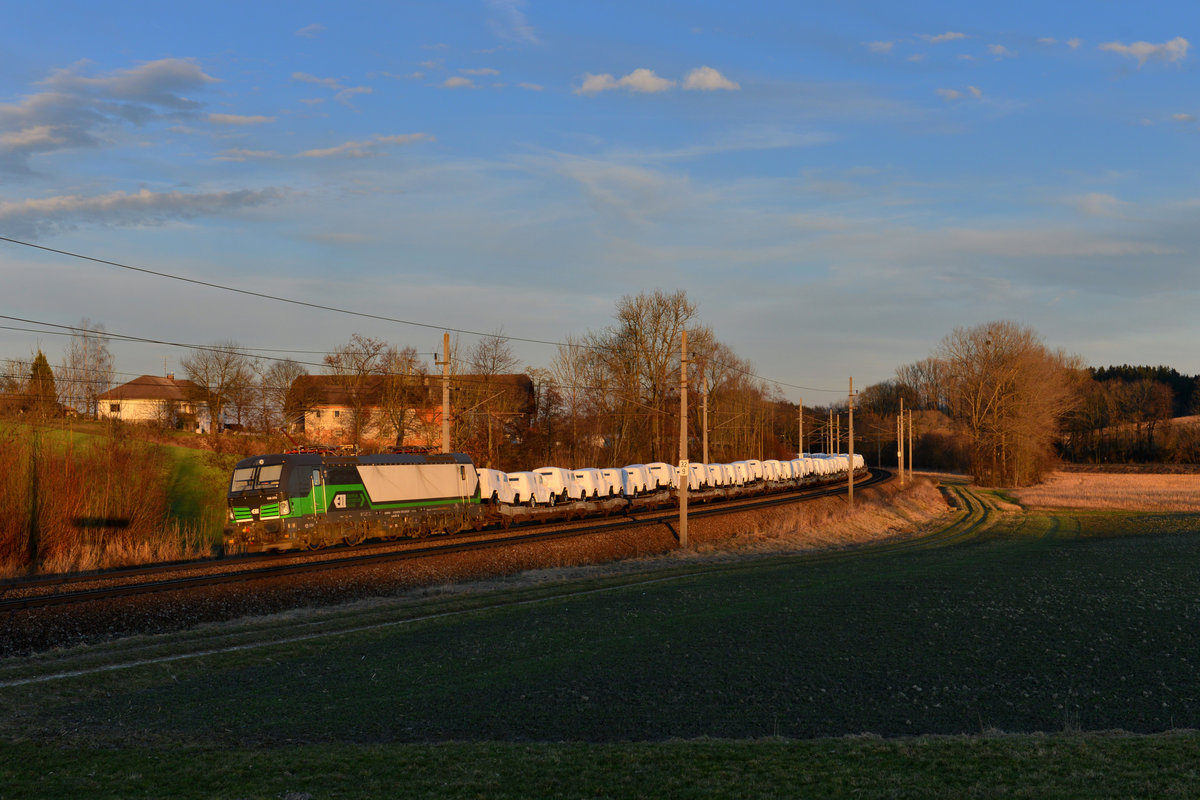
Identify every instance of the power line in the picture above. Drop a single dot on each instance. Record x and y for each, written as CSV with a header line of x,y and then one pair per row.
x,y
350,312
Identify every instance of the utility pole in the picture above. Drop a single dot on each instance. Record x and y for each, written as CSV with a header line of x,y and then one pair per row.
x,y
800,402
685,472
829,434
704,402
910,444
850,451
445,365
900,441
837,434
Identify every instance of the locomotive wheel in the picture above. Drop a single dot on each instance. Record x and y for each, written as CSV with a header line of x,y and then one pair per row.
x,y
355,535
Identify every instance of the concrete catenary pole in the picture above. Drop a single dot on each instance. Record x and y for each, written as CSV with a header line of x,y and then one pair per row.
x,y
910,445
800,438
684,468
704,403
445,365
850,450
900,441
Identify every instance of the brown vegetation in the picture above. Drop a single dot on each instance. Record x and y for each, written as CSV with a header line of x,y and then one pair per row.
x,y
78,507
1126,492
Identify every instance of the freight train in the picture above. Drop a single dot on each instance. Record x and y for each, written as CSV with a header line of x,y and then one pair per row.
x,y
299,500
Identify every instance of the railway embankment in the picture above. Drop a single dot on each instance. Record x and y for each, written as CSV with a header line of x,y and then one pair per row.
x,y
882,512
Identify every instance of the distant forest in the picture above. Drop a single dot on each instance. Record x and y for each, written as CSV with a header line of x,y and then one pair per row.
x,y
1125,414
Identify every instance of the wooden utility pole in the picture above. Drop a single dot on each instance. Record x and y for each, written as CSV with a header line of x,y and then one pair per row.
x,y
829,434
900,441
684,468
837,434
445,365
800,439
850,451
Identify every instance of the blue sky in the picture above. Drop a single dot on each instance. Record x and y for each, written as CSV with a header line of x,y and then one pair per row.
x,y
837,185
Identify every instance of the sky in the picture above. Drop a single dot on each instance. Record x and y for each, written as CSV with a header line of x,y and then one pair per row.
x,y
837,186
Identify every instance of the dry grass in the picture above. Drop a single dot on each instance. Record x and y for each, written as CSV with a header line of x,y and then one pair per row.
x,y
887,513
1110,491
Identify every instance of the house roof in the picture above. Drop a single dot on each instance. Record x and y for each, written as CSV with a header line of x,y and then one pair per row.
x,y
152,387
315,391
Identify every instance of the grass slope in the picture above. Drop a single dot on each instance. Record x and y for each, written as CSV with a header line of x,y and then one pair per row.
x,y
717,680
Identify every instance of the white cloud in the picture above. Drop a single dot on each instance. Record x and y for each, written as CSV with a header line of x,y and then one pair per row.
x,y
78,110
366,147
976,91
510,23
1172,51
37,137
948,36
644,80
916,58
458,82
242,154
328,83
1097,204
238,119
880,47
49,215
480,72
1047,40
1182,117
155,82
311,31
1074,43
533,87
640,80
1000,51
597,83
343,96
949,94
708,79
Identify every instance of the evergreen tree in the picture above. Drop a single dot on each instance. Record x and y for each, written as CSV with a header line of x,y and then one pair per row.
x,y
43,398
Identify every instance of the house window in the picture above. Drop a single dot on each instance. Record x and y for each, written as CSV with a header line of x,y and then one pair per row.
x,y
337,413
114,408
318,413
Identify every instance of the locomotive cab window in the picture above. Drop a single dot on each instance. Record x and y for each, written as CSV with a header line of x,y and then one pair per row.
x,y
268,476
243,479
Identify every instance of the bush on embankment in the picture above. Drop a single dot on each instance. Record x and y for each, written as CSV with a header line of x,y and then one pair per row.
x,y
88,502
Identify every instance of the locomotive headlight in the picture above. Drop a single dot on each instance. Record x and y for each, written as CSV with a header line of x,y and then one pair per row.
x,y
285,508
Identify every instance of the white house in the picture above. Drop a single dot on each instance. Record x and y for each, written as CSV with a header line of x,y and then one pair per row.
x,y
161,401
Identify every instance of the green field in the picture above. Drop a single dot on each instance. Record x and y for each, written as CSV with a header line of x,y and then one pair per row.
x,y
1008,655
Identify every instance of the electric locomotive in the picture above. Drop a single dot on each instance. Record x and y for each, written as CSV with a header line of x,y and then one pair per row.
x,y
309,500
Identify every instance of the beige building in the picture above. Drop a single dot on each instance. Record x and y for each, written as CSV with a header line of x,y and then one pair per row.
x,y
155,400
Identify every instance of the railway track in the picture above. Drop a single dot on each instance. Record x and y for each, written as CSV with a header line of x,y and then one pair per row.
x,y
62,590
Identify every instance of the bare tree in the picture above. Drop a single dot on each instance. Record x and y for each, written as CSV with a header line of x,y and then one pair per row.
x,y
87,368
1009,392
491,358
403,391
275,379
358,367
220,372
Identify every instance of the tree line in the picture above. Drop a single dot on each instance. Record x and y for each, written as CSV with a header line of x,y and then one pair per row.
x,y
993,400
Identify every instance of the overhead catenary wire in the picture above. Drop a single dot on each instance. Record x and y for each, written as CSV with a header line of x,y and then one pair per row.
x,y
351,312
